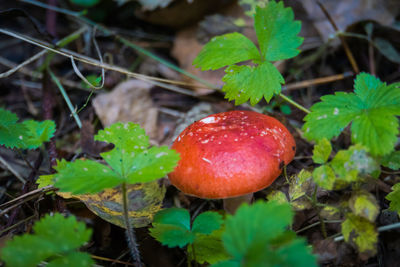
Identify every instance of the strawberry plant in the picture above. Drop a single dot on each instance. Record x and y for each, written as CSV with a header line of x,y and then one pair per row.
x,y
55,240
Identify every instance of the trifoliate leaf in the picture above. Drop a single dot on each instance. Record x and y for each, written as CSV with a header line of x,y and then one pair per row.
x,y
207,222
392,160
253,225
245,82
372,109
209,248
277,31
360,232
394,198
131,161
364,204
226,50
38,132
324,176
278,196
85,176
54,237
172,226
12,134
321,151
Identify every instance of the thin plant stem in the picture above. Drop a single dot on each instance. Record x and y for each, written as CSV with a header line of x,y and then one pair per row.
x,y
66,98
380,229
294,103
130,232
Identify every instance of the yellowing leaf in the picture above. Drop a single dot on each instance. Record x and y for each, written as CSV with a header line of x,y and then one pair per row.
x,y
364,204
321,151
361,233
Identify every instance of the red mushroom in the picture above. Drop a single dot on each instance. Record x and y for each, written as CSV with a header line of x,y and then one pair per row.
x,y
231,154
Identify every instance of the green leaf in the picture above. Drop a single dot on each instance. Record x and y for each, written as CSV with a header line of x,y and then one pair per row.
x,y
72,259
131,161
394,198
245,82
54,236
38,132
360,232
173,216
253,225
364,204
12,134
171,227
152,164
171,235
277,31
207,222
392,160
372,109
85,177
209,248
228,263
226,50
324,176
321,151
387,49
298,254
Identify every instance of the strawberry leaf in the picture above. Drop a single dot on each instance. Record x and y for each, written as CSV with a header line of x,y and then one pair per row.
x,y
245,82
277,31
226,50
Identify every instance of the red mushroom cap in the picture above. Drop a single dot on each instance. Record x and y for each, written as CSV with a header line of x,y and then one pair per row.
x,y
231,154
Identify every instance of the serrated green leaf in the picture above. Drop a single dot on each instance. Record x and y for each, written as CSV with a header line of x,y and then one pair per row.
x,y
72,259
38,132
11,133
372,111
209,248
361,232
252,225
54,236
321,151
277,31
85,177
392,160
324,176
173,216
207,222
226,50
329,117
364,204
278,196
298,254
394,198
245,82
130,159
152,164
171,235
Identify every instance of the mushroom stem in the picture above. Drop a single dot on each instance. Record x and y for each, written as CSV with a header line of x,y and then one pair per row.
x,y
231,204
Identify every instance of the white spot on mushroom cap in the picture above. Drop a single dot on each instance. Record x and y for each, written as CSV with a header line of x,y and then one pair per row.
x,y
207,160
209,120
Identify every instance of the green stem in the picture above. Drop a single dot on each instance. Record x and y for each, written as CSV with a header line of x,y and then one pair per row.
x,y
294,103
66,98
194,255
130,232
